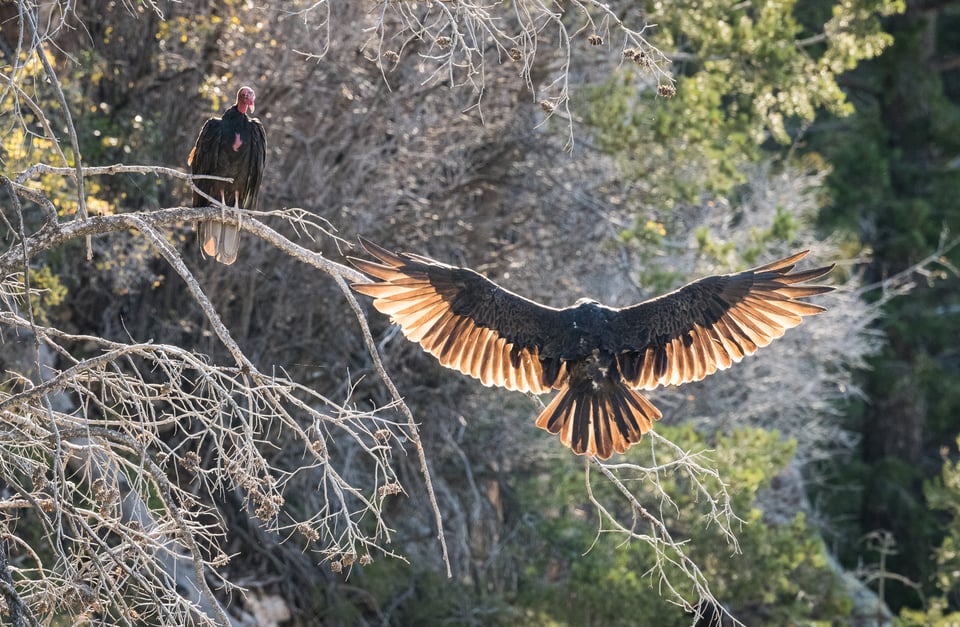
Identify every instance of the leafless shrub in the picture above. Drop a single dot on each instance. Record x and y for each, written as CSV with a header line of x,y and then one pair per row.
x,y
458,42
91,450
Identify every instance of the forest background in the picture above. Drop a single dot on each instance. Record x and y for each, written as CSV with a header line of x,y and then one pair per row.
x,y
184,441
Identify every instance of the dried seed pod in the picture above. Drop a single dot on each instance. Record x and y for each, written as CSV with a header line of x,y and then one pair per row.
x,y
666,90
389,489
307,531
190,461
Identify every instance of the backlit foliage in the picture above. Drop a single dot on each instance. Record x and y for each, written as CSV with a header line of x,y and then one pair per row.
x,y
744,76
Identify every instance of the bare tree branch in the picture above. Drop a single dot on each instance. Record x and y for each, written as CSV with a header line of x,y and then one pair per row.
x,y
236,405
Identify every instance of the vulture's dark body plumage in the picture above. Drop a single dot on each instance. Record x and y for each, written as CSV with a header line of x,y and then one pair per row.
x,y
233,146
597,356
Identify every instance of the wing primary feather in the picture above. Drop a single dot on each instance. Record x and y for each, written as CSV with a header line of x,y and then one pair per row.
x,y
381,253
782,265
474,352
535,374
474,342
468,339
661,363
418,331
551,371
410,293
496,358
673,365
771,324
439,331
743,338
486,360
403,306
493,355
522,368
454,335
528,375
382,290
503,360
454,342
511,371
791,292
417,328
719,358
413,293
771,309
684,362
805,275
706,353
649,372
373,269
730,336
749,329
399,308
416,315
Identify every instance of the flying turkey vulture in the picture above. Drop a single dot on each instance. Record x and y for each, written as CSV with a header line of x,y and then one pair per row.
x,y
597,356
232,146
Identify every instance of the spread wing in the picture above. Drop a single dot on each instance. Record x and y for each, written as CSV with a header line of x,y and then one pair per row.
x,y
709,324
465,320
204,158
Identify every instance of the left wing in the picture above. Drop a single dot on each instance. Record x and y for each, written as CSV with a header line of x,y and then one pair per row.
x,y
254,174
709,324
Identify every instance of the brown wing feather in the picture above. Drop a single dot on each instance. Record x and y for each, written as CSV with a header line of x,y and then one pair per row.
x,y
709,324
462,318
203,159
254,173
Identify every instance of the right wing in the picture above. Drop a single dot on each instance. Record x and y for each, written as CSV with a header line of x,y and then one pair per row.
x,y
465,320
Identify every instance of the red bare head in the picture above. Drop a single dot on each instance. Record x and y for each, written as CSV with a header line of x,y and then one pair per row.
x,y
245,99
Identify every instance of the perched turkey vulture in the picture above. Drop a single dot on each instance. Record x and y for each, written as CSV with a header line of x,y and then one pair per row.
x,y
232,146
597,356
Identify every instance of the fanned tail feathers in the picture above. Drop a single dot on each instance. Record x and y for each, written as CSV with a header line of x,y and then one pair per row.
x,y
598,421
